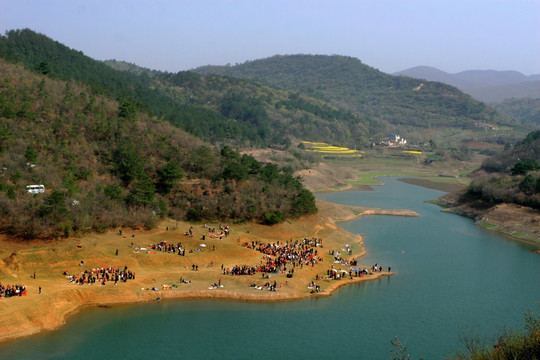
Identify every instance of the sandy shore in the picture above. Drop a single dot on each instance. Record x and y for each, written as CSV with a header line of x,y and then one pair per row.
x,y
35,312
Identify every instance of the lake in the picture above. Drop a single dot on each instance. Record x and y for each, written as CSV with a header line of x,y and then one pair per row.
x,y
452,278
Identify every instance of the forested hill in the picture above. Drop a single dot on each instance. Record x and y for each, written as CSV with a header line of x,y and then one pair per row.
x,y
525,110
332,99
347,82
512,176
218,109
104,164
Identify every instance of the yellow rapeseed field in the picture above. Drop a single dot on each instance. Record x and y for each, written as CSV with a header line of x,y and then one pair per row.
x,y
326,149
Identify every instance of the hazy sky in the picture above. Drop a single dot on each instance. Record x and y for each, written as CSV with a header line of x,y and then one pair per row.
x,y
390,35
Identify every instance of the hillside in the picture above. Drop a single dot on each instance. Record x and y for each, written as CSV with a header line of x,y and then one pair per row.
x,y
511,176
346,82
104,164
504,194
489,86
254,112
331,99
221,110
525,110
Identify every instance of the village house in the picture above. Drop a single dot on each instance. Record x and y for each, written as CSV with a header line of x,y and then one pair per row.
x,y
393,140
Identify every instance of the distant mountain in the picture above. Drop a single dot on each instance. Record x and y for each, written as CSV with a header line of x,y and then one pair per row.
x,y
483,78
347,82
433,74
485,85
500,93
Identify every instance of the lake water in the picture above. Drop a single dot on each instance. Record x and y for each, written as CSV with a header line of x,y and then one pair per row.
x,y
452,278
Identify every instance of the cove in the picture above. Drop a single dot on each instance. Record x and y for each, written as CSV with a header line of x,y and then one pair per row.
x,y
452,278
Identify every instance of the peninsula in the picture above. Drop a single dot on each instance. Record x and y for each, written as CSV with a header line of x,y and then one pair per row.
x,y
52,271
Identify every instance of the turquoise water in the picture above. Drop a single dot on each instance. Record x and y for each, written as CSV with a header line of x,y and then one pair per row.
x,y
452,278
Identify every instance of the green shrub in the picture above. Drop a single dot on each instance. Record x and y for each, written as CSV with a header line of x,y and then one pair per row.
x,y
271,218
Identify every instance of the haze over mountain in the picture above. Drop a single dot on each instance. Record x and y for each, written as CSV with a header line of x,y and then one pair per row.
x,y
485,85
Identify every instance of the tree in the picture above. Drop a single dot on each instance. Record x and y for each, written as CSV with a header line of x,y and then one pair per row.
x,y
252,165
128,165
273,217
31,154
127,109
43,68
202,160
235,171
194,214
54,207
113,191
528,184
143,191
229,154
168,176
304,203
269,173
523,167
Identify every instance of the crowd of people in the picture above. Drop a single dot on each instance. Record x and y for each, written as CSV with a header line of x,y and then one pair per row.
x,y
12,290
336,274
101,276
246,270
279,255
163,246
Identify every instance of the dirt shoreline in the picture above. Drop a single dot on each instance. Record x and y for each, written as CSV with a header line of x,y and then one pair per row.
x,y
36,313
518,222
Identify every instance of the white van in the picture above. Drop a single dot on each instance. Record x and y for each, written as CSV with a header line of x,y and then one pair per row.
x,y
35,189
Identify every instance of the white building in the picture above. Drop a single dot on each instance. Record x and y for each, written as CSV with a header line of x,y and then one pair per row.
x,y
393,140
